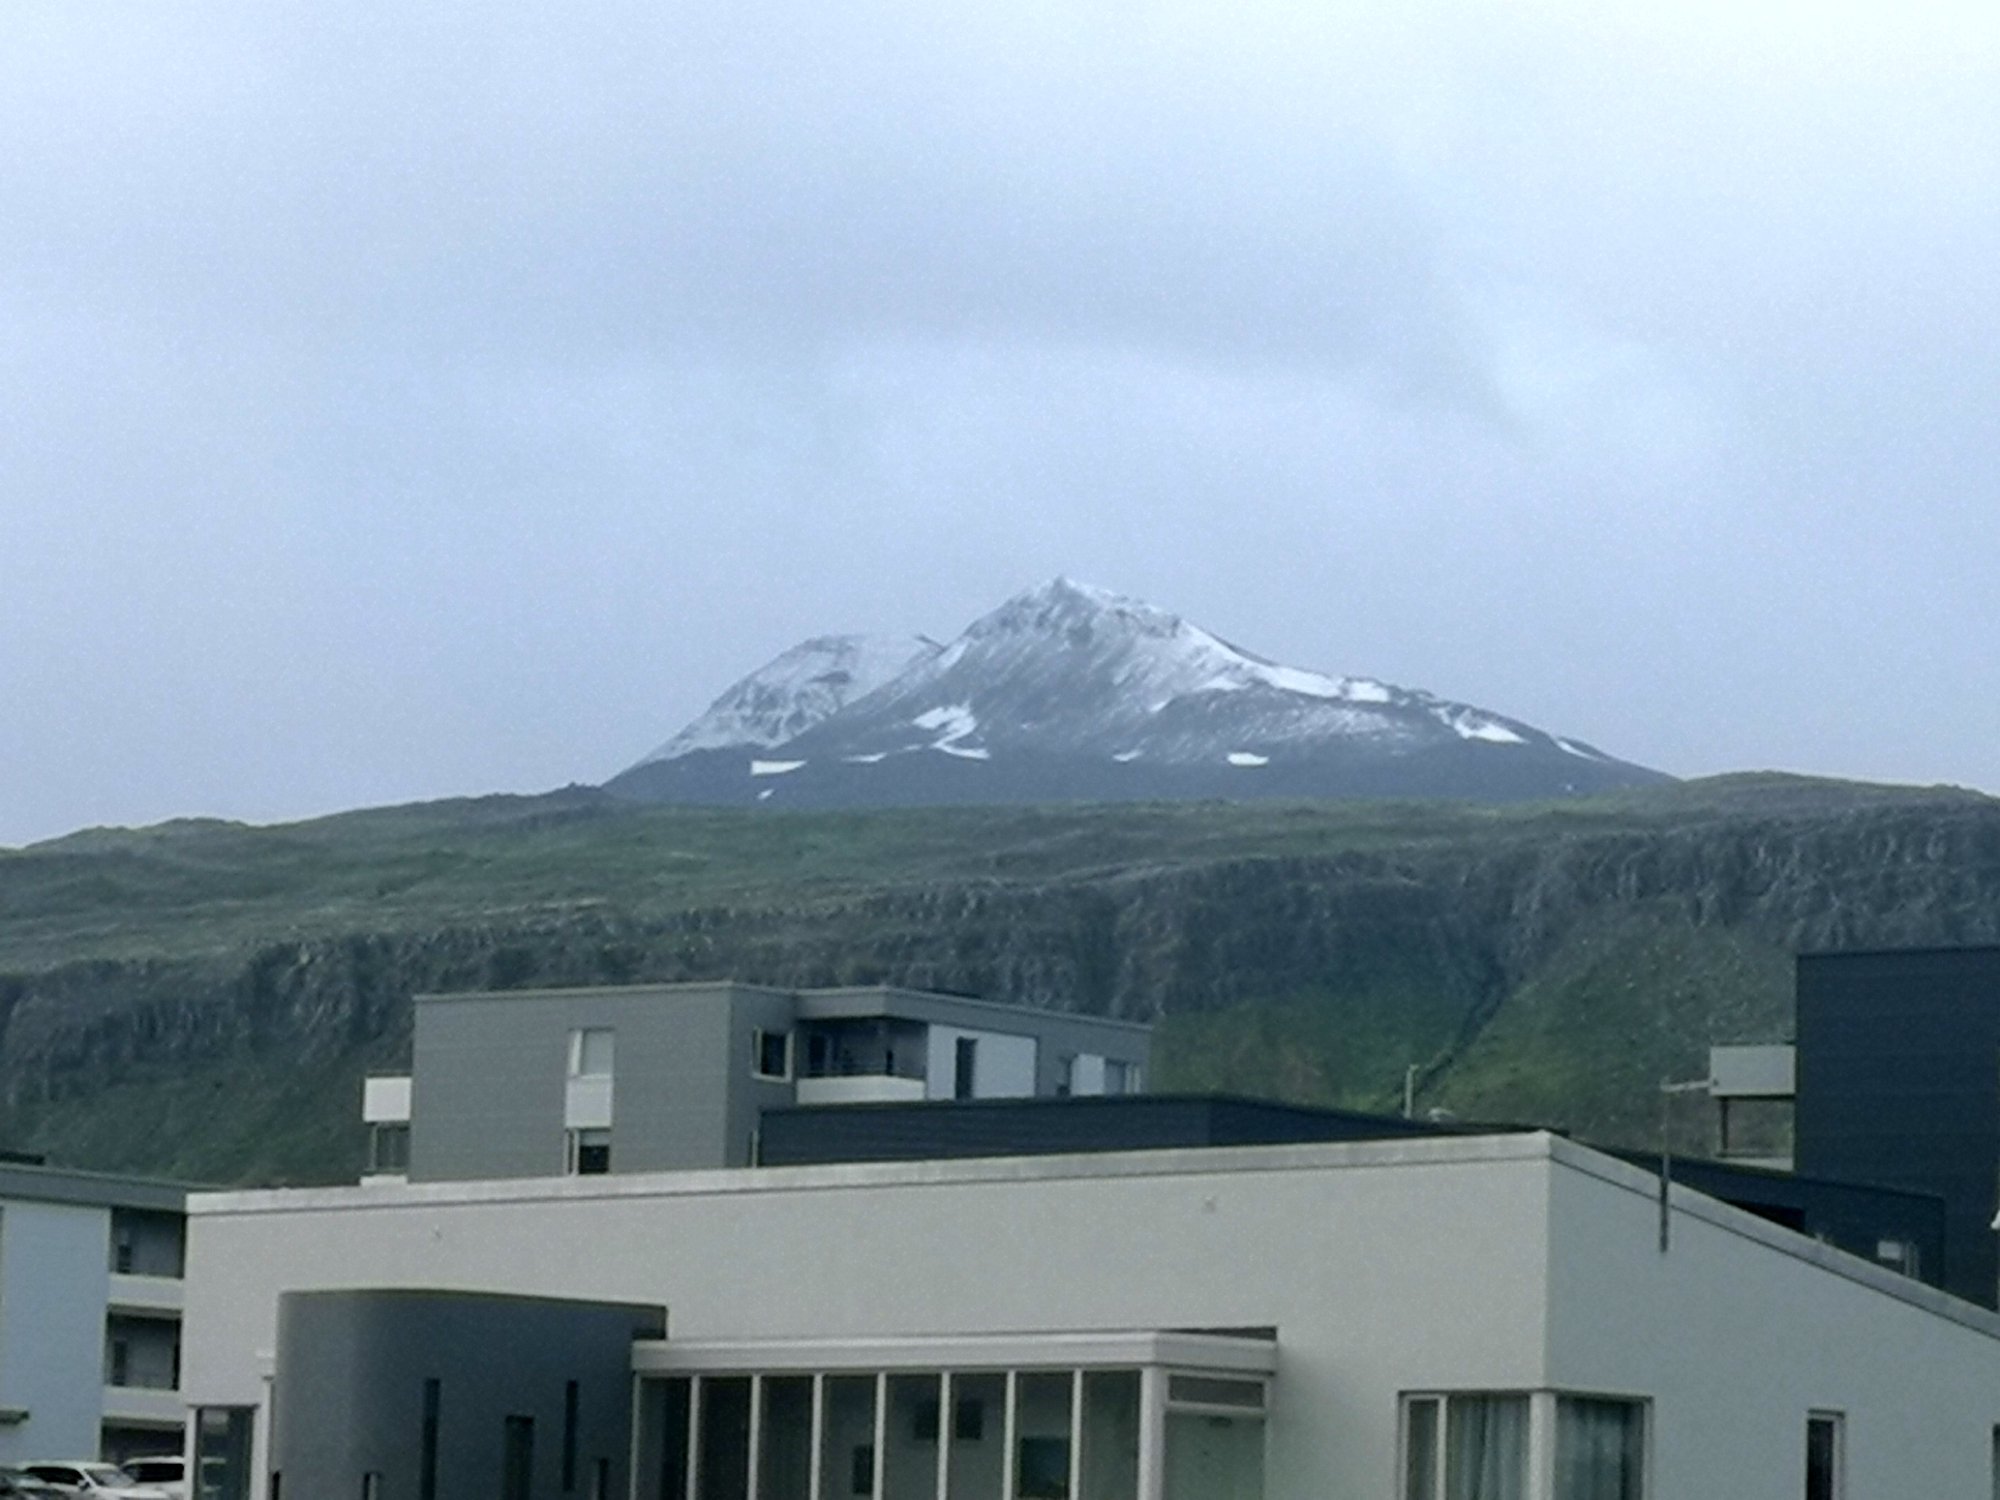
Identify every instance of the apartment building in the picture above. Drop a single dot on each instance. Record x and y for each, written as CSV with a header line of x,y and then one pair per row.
x,y
91,1293
645,1078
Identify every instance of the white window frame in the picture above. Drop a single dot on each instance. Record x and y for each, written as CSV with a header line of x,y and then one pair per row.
x,y
1838,1421
758,1036
1540,1453
573,1144
577,1047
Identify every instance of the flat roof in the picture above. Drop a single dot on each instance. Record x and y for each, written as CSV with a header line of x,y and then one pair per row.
x,y
92,1189
827,1002
723,1183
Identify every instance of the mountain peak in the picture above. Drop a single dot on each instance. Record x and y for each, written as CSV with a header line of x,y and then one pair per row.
x,y
1071,691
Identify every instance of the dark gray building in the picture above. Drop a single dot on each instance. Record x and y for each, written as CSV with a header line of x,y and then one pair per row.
x,y
438,1395
1899,1085
533,1083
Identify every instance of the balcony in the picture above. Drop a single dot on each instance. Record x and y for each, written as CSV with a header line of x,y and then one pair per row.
x,y
144,1406
152,1296
878,1088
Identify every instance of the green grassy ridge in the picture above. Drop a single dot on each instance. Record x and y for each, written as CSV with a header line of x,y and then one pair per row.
x,y
198,886
1452,937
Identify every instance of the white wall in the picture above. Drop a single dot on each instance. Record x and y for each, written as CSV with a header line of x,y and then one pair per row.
x,y
1386,1267
1003,1067
54,1280
1413,1269
1735,1344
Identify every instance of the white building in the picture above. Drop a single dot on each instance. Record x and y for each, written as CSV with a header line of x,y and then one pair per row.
x,y
90,1314
1464,1318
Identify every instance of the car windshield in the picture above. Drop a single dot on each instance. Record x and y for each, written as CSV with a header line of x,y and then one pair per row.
x,y
153,1468
107,1476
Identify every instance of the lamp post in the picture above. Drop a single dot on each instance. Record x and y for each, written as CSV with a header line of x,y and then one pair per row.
x,y
1668,1089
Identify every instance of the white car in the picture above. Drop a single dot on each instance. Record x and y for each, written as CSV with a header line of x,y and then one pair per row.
x,y
101,1481
165,1472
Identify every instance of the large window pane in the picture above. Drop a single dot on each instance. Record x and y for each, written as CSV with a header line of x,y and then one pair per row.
x,y
1111,1435
910,1456
847,1452
1823,1457
1214,1458
662,1472
978,1439
725,1438
1420,1448
222,1452
1600,1449
784,1439
1486,1448
1041,1442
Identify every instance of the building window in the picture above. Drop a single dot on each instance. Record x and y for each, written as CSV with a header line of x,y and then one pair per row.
x,y
517,1458
389,1148
121,1249
587,1152
590,1052
118,1366
771,1054
222,1448
965,1068
1825,1456
1600,1449
1118,1076
1465,1447
427,1449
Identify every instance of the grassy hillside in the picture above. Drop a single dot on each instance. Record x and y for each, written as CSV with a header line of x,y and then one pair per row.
x,y
203,997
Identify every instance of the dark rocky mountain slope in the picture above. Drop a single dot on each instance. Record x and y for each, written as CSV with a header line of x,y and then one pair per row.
x,y
203,999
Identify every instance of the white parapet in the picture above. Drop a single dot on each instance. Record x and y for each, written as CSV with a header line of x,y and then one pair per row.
x,y
385,1101
862,1090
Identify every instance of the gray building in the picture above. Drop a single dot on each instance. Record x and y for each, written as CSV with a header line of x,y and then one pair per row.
x,y
91,1273
646,1078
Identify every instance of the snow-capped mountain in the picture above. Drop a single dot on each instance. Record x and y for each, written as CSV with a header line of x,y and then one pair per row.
x,y
788,695
1068,692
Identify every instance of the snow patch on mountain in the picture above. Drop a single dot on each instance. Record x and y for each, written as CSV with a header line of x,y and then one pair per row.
x,y
809,683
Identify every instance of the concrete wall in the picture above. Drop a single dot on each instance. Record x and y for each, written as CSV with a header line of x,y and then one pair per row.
x,y
1483,1264
54,1279
1407,1271
490,1072
351,1369
1734,1344
1003,1065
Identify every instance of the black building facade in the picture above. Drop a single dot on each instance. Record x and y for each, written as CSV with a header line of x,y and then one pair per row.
x,y
1899,1085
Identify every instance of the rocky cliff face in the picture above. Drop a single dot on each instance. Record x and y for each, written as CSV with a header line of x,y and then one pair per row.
x,y
1529,973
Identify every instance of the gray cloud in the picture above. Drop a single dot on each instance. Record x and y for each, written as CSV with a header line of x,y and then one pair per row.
x,y
403,403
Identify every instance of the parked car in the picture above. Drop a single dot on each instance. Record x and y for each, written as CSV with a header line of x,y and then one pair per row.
x,y
166,1472
15,1481
89,1477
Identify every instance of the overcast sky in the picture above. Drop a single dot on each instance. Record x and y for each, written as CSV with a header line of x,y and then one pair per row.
x,y
404,401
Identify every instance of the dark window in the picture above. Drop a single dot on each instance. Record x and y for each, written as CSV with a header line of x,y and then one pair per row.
x,y
861,1470
600,1479
774,1054
517,1459
120,1363
277,1484
924,1422
968,1421
389,1148
122,1253
589,1152
569,1437
1043,1472
965,1067
1823,1478
427,1452
819,1055
724,1450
